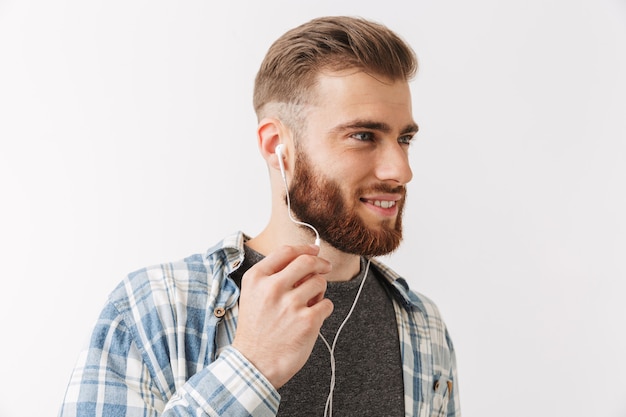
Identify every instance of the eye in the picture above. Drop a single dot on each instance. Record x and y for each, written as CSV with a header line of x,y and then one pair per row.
x,y
363,136
406,139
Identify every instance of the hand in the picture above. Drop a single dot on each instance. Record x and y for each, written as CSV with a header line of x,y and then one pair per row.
x,y
281,310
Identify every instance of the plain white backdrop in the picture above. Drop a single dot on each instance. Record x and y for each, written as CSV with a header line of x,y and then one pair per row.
x,y
127,138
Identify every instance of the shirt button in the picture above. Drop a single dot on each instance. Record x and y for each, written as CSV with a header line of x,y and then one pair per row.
x,y
219,312
436,386
236,264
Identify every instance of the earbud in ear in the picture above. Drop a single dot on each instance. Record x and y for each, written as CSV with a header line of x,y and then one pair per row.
x,y
279,152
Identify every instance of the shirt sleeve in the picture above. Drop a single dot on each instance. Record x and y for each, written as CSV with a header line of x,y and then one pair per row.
x,y
113,377
231,386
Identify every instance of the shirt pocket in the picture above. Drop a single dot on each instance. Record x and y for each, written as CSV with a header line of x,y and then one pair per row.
x,y
442,391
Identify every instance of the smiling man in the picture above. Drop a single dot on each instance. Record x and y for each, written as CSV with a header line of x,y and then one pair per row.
x,y
355,118
273,324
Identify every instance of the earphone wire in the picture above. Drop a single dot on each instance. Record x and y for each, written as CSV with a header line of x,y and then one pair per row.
x,y
328,408
317,235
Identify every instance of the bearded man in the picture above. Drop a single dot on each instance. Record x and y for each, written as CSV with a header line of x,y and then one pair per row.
x,y
300,319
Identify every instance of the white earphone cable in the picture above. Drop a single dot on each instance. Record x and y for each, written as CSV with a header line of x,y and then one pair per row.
x,y
328,409
317,235
282,173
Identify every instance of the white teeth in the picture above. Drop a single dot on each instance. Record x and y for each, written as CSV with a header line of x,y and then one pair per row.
x,y
384,204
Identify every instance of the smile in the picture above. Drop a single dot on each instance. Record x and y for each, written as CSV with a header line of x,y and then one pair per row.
x,y
381,203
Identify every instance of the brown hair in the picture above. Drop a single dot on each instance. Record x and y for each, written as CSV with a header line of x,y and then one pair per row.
x,y
294,60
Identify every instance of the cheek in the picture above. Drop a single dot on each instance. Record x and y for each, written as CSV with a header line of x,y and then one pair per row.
x,y
348,173
346,170
351,192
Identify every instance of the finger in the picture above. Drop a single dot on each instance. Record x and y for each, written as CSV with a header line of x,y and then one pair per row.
x,y
310,291
279,259
322,310
319,297
301,269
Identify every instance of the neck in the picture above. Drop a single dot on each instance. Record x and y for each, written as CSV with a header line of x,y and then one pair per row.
x,y
345,266
281,231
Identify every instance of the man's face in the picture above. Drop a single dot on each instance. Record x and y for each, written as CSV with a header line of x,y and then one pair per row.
x,y
351,163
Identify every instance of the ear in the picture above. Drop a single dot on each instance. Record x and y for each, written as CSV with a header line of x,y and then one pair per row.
x,y
270,133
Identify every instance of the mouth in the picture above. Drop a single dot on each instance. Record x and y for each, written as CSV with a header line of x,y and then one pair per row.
x,y
382,202
385,207
385,204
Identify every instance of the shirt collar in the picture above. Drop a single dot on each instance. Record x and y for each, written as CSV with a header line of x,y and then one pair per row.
x,y
399,286
230,252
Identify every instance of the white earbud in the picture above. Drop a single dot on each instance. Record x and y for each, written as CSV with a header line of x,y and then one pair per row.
x,y
279,152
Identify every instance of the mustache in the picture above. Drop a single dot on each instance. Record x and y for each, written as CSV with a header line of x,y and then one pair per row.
x,y
383,188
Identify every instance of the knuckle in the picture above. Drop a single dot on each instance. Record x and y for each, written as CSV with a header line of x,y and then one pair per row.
x,y
307,261
309,320
290,251
250,278
292,302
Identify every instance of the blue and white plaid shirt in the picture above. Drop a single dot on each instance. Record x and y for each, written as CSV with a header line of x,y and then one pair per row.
x,y
161,347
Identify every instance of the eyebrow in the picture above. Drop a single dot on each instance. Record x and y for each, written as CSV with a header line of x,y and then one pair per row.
x,y
373,125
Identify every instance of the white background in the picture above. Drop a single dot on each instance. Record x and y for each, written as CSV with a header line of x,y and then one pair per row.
x,y
128,138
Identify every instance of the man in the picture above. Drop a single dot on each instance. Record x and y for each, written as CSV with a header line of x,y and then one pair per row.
x,y
275,325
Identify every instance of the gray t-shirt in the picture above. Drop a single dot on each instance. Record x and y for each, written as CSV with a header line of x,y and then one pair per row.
x,y
367,355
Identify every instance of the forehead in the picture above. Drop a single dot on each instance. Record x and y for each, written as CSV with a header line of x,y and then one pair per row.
x,y
354,93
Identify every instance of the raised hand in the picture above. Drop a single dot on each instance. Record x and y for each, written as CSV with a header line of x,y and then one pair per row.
x,y
281,310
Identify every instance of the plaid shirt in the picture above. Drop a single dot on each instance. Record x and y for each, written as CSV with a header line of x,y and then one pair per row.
x,y
161,347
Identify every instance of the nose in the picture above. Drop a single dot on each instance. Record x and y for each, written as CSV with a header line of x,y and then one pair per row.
x,y
392,164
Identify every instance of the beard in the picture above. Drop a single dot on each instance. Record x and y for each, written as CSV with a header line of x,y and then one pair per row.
x,y
319,201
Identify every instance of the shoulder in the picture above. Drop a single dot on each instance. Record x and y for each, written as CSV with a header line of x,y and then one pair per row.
x,y
422,310
161,284
171,290
409,298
